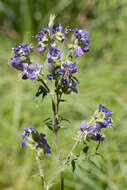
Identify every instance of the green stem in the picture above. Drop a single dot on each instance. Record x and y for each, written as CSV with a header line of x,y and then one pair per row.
x,y
97,148
42,81
72,150
41,172
55,129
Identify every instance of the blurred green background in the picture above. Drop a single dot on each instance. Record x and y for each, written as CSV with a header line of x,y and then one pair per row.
x,y
103,79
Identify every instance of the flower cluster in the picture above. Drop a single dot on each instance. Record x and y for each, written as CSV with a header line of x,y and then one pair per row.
x,y
67,70
31,71
60,33
82,42
42,38
26,133
34,139
47,37
22,50
59,64
101,119
21,62
21,56
53,54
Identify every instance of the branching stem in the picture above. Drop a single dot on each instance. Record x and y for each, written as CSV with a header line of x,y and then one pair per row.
x,y
73,148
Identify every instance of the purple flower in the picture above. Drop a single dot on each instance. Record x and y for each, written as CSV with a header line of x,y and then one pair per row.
x,y
60,32
64,37
23,144
67,81
67,69
16,62
24,71
107,112
83,126
38,138
16,48
49,77
83,39
98,125
82,36
31,127
21,58
45,145
106,122
76,33
89,131
85,49
22,50
24,135
40,48
93,131
78,52
31,71
70,85
40,35
43,33
53,54
41,142
27,131
99,137
59,28
73,85
43,37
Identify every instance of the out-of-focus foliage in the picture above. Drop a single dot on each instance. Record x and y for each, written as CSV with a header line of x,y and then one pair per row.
x,y
30,16
102,77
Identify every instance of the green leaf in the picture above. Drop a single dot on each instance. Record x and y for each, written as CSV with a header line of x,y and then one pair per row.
x,y
73,165
41,90
62,100
85,149
63,119
95,161
49,126
85,165
47,119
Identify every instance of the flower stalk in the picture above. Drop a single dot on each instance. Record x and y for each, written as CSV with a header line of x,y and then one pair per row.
x,y
56,76
55,130
41,172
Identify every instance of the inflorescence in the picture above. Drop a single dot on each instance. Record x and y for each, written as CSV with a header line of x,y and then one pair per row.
x,y
35,140
90,131
21,61
83,42
102,119
58,65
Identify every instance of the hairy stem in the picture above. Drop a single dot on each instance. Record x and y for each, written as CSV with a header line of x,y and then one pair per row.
x,y
41,172
72,150
55,129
